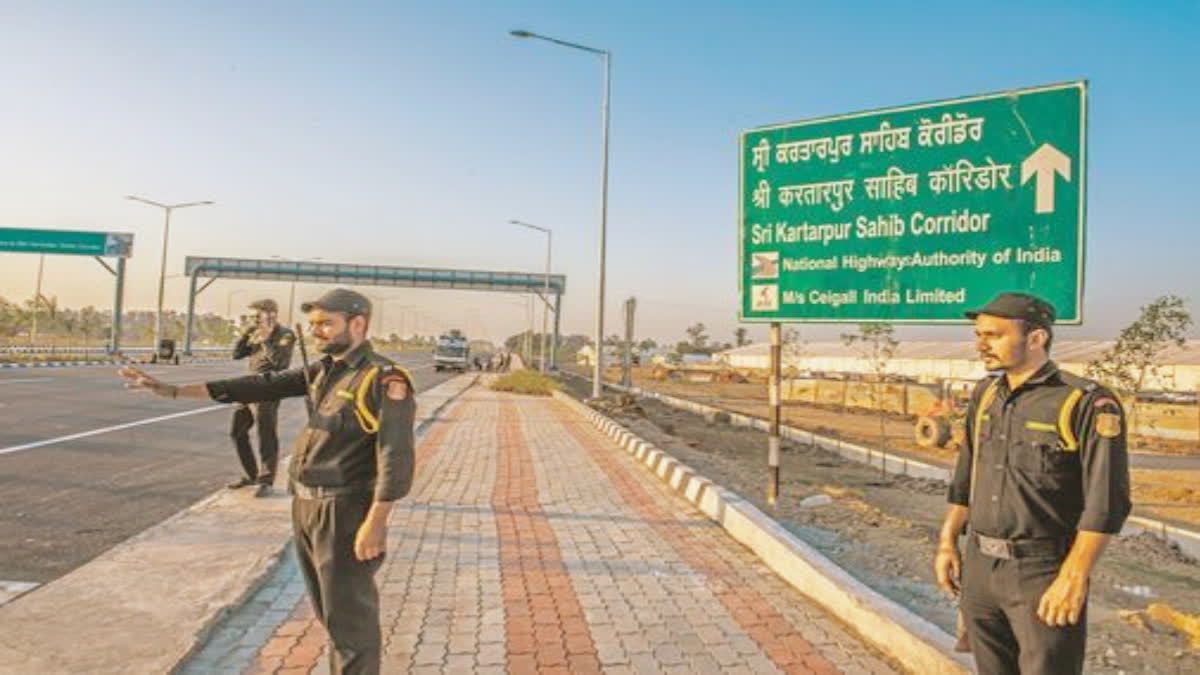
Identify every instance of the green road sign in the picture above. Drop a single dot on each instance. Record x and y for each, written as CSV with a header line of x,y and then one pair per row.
x,y
914,214
66,242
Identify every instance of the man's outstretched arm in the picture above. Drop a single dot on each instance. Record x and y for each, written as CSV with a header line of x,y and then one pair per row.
x,y
247,389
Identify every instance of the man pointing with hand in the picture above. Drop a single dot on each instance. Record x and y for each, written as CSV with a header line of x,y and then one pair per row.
x,y
351,462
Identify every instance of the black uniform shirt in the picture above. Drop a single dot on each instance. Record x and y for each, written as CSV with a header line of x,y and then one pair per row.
x,y
272,354
1030,483
345,444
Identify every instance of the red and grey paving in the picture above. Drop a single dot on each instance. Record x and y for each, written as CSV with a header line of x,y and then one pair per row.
x,y
532,544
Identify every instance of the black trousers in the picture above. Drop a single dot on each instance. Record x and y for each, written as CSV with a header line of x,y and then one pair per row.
x,y
341,588
999,605
266,416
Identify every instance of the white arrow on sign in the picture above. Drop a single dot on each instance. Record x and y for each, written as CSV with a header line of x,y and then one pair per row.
x,y
1044,163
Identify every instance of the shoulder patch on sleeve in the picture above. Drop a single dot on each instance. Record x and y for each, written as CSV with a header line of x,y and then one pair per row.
x,y
397,388
396,381
1103,402
1108,425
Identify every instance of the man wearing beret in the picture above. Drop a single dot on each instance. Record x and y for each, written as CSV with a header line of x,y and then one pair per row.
x,y
351,462
1040,487
269,347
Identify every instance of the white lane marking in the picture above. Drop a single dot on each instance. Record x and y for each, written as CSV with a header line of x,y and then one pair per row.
x,y
105,430
21,380
11,590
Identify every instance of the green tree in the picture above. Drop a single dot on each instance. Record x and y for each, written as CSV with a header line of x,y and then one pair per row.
x,y
741,336
697,337
875,343
1137,355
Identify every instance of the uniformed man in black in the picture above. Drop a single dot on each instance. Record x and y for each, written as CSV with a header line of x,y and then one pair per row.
x,y
352,461
1041,486
269,347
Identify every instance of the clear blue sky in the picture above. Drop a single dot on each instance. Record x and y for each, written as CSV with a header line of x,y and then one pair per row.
x,y
410,133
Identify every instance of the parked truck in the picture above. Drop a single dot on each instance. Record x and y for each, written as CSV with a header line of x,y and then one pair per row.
x,y
452,352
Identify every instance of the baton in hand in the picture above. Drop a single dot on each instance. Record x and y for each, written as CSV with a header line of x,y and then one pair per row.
x,y
308,401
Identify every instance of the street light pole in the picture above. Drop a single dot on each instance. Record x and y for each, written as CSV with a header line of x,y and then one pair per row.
x,y
545,289
162,271
598,364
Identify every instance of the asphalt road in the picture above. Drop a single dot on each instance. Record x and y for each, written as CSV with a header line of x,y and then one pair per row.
x,y
85,464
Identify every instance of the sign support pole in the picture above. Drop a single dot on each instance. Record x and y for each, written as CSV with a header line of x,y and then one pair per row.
x,y
187,331
773,400
557,331
114,344
37,300
627,361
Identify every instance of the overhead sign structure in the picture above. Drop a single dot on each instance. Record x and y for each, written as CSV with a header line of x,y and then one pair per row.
x,y
916,213
66,242
354,274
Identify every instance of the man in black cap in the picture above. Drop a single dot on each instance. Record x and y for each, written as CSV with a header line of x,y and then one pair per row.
x,y
269,347
1041,485
353,460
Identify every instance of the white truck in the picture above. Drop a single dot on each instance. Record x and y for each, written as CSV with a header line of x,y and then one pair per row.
x,y
451,352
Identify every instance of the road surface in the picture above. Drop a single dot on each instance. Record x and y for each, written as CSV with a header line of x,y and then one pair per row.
x,y
85,464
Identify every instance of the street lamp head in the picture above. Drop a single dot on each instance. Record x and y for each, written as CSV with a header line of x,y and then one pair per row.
x,y
520,33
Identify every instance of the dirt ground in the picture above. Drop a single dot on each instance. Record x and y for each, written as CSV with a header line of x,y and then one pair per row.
x,y
1158,494
883,530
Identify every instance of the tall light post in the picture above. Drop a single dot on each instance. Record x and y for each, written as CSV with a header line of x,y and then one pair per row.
x,y
545,289
292,292
598,364
162,271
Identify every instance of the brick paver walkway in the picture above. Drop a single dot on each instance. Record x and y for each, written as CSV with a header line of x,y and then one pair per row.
x,y
530,544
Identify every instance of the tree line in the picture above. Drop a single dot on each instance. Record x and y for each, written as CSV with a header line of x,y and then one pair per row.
x,y
92,327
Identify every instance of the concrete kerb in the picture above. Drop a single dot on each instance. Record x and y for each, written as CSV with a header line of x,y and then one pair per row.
x,y
916,643
857,453
1187,540
150,602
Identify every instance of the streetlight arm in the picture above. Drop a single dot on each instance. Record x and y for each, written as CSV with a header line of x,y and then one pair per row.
x,y
143,200
160,205
530,226
564,43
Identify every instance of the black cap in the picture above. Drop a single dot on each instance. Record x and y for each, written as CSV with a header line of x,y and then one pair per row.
x,y
1018,306
341,300
266,305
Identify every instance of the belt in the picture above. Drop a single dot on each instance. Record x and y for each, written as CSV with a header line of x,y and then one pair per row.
x,y
318,492
1012,549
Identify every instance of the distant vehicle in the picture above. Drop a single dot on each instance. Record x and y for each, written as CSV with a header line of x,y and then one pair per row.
x,y
452,352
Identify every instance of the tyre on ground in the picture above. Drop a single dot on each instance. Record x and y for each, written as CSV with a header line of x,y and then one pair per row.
x,y
931,432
